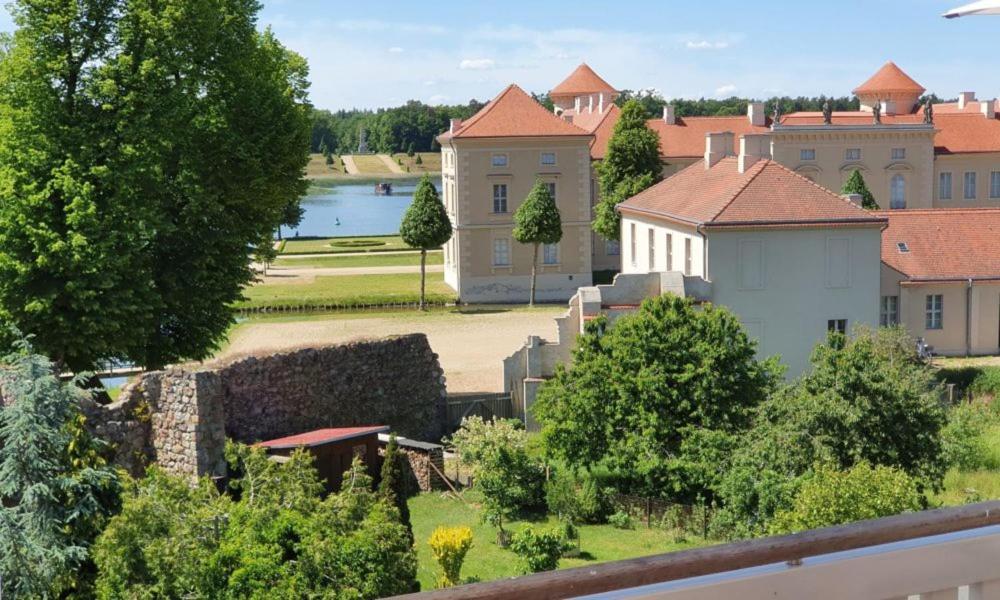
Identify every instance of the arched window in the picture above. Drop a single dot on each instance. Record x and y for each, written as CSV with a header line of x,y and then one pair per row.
x,y
897,192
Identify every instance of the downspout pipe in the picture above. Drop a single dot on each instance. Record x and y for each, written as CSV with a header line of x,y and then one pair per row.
x,y
968,317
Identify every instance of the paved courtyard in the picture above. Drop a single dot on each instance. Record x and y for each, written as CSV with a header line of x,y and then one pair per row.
x,y
470,344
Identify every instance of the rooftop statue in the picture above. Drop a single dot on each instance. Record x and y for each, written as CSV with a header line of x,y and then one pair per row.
x,y
928,112
827,113
877,113
776,119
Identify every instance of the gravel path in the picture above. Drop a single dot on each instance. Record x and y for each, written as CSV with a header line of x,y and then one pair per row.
x,y
391,164
283,275
470,346
349,166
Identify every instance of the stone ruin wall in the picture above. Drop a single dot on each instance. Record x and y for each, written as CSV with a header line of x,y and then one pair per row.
x,y
180,418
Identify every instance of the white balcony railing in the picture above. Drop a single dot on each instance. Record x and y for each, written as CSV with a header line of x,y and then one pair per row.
x,y
951,553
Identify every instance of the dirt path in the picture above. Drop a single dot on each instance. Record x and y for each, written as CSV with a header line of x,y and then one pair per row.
x,y
349,166
282,274
391,164
470,346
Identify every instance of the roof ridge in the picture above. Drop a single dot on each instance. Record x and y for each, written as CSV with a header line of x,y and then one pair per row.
x,y
486,109
759,166
827,190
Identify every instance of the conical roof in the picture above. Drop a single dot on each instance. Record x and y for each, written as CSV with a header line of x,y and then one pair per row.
x,y
890,78
581,81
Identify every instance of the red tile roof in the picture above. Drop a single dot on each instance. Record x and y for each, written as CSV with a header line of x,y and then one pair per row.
x,y
322,436
686,138
583,80
944,244
961,133
513,113
766,194
601,125
889,78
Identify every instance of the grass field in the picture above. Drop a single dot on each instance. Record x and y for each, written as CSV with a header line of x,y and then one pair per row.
x,y
317,167
384,243
430,162
487,561
370,164
373,259
347,289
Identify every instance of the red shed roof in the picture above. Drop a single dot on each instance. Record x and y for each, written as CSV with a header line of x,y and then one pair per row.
x,y
323,436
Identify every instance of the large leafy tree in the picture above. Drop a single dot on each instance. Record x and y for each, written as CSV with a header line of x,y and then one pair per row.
x,y
146,146
56,492
425,225
277,539
631,164
855,184
656,396
537,222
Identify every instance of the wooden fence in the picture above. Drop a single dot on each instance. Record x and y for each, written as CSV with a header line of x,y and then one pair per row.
x,y
487,406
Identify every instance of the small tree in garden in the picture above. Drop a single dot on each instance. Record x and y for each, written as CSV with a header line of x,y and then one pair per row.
x,y
418,160
855,184
538,551
425,225
449,545
392,487
537,222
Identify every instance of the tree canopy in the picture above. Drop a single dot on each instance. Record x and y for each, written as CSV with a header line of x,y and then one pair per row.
x,y
631,164
425,225
146,148
651,396
855,184
537,222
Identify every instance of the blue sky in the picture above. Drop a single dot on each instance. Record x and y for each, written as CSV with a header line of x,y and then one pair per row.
x,y
370,54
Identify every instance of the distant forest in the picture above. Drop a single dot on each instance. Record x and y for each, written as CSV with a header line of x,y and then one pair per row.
x,y
415,125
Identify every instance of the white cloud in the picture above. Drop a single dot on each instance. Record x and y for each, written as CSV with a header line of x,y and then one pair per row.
x,y
395,50
477,64
725,90
376,25
706,45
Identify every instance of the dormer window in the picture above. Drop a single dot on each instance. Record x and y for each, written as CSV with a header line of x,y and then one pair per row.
x,y
499,160
903,248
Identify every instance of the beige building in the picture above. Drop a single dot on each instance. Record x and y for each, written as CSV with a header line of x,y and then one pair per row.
x,y
791,259
941,278
489,164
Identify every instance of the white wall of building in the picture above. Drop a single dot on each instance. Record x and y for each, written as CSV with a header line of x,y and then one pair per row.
x,y
676,247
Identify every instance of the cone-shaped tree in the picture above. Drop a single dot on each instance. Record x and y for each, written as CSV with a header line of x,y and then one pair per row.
x,y
855,184
425,225
537,222
631,164
392,486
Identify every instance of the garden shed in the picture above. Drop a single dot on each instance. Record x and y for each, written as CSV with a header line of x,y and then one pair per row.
x,y
333,450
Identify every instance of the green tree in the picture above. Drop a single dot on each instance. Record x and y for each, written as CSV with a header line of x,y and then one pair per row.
x,y
855,184
291,215
425,225
56,492
537,222
276,539
392,486
126,210
656,397
829,497
631,164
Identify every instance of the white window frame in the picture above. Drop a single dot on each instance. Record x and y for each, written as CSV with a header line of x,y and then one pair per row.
x,y
852,154
500,200
889,311
995,185
499,161
807,154
969,185
934,312
898,154
838,325
544,155
501,252
550,254
897,192
945,192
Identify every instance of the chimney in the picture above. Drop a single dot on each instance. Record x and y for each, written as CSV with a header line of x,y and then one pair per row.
x,y
717,146
989,108
753,147
669,114
567,118
965,98
855,199
757,114
456,124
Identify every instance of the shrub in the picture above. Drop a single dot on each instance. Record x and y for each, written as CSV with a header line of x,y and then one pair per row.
x,y
987,383
962,437
418,160
449,545
621,520
830,497
538,551
578,499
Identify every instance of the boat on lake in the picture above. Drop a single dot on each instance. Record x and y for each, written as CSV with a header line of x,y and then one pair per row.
x,y
383,189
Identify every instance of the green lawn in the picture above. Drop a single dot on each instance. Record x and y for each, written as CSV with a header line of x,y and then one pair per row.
x,y
373,259
335,245
486,561
370,164
348,290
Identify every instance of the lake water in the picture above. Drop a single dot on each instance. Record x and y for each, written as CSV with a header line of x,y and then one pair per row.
x,y
359,210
